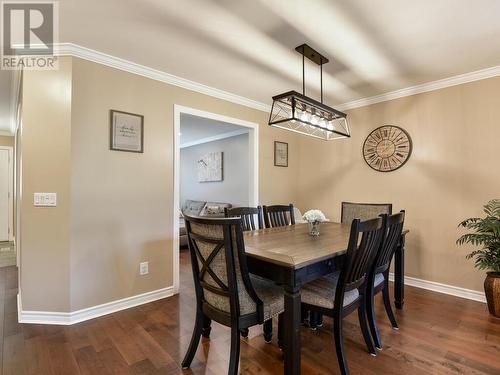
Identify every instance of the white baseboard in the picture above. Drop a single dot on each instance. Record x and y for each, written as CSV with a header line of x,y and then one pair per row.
x,y
64,318
443,288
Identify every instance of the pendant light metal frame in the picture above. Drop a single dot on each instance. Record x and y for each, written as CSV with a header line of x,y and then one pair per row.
x,y
301,114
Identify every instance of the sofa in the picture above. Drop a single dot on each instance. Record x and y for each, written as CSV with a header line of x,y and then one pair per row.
x,y
199,208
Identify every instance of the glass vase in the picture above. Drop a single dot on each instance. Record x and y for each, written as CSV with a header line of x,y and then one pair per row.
x,y
314,228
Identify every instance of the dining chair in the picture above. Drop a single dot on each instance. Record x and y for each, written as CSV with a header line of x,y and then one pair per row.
x,y
224,290
349,212
378,278
341,293
363,211
279,215
247,215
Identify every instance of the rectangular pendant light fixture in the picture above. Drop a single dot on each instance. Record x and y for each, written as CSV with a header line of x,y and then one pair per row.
x,y
301,114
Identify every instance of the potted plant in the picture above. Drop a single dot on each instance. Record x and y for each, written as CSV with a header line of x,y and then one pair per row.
x,y
486,235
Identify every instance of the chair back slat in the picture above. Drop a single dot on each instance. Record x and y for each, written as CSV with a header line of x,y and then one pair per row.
x,y
278,216
247,215
394,231
363,211
361,253
219,266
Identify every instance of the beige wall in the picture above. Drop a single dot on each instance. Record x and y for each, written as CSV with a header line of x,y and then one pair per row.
x,y
46,166
453,171
121,203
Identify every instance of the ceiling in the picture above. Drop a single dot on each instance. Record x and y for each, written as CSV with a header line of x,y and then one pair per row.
x,y
246,47
195,130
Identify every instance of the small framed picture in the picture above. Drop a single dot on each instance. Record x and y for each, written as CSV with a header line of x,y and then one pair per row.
x,y
280,154
126,131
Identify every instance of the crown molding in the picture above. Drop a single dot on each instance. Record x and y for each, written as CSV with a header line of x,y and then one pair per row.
x,y
213,138
422,88
74,50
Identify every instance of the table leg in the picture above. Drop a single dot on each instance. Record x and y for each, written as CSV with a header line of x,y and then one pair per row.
x,y
292,331
399,273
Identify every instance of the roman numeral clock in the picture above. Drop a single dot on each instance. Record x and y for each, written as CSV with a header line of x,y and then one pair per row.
x,y
387,148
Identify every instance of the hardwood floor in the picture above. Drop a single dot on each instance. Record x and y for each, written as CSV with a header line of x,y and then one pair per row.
x,y
438,334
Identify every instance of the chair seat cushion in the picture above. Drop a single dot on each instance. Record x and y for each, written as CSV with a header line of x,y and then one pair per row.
x,y
321,292
271,296
379,279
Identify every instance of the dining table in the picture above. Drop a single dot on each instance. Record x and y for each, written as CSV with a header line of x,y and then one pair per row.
x,y
291,257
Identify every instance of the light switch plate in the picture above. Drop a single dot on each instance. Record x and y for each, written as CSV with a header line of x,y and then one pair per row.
x,y
143,268
45,199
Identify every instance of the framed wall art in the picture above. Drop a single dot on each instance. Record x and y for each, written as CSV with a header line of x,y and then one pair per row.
x,y
210,167
126,131
280,154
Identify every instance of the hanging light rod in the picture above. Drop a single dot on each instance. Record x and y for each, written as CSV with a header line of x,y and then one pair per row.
x,y
301,114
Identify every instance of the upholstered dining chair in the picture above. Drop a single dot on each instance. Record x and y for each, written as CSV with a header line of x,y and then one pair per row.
x,y
279,215
341,293
247,215
363,211
349,212
224,290
378,278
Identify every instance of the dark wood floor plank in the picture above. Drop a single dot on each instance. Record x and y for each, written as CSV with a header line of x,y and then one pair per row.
x,y
123,342
14,355
62,359
114,362
89,362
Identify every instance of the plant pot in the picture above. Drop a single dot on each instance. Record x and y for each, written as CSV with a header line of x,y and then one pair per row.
x,y
492,291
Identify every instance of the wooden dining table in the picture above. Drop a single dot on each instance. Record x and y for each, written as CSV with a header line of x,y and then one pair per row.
x,y
290,257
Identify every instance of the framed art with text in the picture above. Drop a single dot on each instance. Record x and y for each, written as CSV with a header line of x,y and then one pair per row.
x,y
126,131
280,154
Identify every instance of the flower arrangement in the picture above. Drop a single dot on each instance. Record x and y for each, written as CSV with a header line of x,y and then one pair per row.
x,y
314,216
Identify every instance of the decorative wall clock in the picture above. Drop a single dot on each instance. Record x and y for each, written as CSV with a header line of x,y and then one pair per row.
x,y
387,148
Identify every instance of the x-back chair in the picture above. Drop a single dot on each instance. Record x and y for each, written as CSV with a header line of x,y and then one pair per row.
x,y
225,292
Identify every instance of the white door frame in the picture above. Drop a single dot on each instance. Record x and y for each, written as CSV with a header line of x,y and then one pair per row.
x,y
11,193
253,157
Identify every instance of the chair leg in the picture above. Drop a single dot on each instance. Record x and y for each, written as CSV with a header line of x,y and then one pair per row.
x,y
315,320
205,331
195,340
364,328
268,330
339,344
244,332
304,315
234,356
281,329
388,307
372,322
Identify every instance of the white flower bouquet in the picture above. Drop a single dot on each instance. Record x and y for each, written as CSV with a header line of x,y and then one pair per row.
x,y
314,216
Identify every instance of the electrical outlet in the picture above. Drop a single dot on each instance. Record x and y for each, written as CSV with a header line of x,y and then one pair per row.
x,y
144,268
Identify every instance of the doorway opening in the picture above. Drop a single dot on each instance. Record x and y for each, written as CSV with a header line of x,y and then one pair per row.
x,y
215,162
7,248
